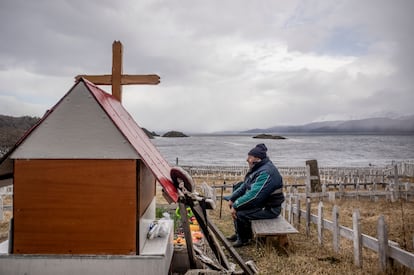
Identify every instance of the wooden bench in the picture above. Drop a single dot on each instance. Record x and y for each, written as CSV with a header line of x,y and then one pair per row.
x,y
269,228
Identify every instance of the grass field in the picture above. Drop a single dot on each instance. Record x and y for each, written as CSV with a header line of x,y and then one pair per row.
x,y
305,256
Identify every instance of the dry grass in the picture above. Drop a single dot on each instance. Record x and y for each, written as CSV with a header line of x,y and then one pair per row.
x,y
4,226
4,220
305,256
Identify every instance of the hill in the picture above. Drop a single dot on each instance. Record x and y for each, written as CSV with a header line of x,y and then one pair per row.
x,y
369,125
13,128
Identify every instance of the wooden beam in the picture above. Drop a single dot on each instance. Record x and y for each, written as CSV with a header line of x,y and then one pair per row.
x,y
117,79
126,79
97,79
149,79
117,70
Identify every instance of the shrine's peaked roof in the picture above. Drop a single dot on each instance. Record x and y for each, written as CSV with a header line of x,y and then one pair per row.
x,y
137,137
126,126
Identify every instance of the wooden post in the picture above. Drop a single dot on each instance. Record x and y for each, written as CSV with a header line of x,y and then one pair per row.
x,y
117,70
298,211
314,173
223,258
1,209
331,196
336,236
320,223
284,206
204,223
323,190
357,238
117,78
11,236
221,199
187,235
382,244
307,181
406,189
308,216
356,184
396,182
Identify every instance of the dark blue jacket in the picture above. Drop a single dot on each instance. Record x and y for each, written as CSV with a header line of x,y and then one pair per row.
x,y
261,187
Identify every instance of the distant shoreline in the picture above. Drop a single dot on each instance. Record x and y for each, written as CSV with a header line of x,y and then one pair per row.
x,y
306,133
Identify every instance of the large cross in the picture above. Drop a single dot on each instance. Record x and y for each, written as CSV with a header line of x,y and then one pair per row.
x,y
117,79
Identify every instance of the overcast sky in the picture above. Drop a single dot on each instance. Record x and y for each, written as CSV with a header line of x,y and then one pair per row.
x,y
224,65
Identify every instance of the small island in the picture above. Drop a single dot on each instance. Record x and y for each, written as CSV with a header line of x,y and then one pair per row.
x,y
174,134
267,136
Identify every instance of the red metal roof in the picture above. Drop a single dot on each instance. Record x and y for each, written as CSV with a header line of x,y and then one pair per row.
x,y
137,138
132,132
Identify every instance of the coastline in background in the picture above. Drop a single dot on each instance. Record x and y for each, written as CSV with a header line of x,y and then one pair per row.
x,y
348,150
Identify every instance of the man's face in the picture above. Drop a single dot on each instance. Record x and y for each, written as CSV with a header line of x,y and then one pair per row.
x,y
251,160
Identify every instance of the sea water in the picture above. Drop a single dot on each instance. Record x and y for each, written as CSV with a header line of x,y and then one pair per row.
x,y
330,150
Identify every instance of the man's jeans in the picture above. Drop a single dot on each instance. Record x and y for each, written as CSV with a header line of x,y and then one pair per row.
x,y
243,223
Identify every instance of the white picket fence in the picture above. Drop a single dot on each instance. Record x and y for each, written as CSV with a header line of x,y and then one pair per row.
x,y
5,191
369,178
392,189
327,174
386,249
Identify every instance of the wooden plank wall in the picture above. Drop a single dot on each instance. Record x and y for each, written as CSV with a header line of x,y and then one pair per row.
x,y
75,206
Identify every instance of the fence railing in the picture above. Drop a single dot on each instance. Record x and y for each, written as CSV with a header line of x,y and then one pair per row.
x,y
385,248
328,174
4,192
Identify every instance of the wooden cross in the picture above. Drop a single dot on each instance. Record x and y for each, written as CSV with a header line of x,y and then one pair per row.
x,y
117,79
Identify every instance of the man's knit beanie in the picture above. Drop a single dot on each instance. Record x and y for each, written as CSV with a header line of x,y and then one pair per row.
x,y
259,151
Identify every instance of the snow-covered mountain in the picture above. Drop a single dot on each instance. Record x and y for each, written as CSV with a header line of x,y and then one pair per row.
x,y
370,125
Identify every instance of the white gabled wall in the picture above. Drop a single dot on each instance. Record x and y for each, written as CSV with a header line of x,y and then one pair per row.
x,y
78,128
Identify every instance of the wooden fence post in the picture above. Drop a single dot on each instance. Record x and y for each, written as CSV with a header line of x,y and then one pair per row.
x,y
308,216
357,238
382,244
187,234
314,173
297,211
396,183
320,223
1,209
307,181
323,190
331,196
356,184
406,189
341,190
336,236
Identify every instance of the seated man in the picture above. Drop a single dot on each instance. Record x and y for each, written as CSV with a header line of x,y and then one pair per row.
x,y
259,197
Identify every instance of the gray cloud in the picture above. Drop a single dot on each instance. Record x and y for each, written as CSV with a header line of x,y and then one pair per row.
x,y
223,65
